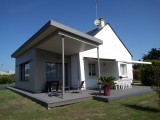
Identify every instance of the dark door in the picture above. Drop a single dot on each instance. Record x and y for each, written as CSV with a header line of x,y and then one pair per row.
x,y
54,72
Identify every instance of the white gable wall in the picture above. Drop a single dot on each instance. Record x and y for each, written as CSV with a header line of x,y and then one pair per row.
x,y
112,48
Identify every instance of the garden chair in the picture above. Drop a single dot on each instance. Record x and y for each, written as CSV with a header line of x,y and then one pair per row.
x,y
79,88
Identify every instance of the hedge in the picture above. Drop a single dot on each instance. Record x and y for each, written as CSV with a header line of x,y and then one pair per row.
x,y
4,79
150,74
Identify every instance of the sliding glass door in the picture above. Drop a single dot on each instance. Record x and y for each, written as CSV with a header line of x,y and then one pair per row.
x,y
54,72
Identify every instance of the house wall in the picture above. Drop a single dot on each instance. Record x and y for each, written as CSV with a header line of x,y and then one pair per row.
x,y
75,70
112,48
42,57
90,81
109,69
106,69
119,52
28,56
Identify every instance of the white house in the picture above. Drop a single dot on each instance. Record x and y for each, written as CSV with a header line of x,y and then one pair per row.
x,y
113,56
59,53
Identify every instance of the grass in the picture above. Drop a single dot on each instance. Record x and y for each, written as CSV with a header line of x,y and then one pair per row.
x,y
16,107
7,84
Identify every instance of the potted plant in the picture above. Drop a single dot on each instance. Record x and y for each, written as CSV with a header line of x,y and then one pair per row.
x,y
106,82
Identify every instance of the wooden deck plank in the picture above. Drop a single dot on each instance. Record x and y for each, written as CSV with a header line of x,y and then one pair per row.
x,y
70,97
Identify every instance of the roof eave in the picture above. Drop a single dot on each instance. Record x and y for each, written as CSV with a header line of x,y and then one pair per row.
x,y
58,26
32,38
76,32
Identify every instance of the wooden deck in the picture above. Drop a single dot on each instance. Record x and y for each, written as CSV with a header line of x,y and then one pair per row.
x,y
70,97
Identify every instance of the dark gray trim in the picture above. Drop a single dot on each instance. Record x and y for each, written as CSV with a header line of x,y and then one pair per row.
x,y
57,25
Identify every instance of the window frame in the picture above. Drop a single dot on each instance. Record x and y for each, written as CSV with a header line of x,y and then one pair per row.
x,y
25,71
92,69
54,71
123,70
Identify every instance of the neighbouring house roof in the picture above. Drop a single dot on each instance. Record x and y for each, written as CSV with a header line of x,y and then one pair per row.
x,y
97,30
6,72
51,28
3,73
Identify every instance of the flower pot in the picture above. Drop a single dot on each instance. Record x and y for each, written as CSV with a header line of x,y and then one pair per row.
x,y
106,90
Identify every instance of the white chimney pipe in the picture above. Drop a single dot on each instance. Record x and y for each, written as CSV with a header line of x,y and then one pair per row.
x,y
102,23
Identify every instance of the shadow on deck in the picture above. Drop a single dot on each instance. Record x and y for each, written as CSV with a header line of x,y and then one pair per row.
x,y
70,97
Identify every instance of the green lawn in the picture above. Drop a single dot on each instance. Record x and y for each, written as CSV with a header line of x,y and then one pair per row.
x,y
16,107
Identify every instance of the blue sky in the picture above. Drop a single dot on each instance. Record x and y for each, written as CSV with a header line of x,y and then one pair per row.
x,y
137,22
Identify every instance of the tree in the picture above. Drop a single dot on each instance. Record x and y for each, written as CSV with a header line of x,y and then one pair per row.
x,y
150,74
154,54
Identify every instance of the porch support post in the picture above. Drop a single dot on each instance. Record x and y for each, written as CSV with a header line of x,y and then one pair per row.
x,y
62,66
99,72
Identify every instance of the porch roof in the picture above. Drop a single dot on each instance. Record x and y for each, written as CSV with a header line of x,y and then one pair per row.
x,y
101,59
49,38
136,62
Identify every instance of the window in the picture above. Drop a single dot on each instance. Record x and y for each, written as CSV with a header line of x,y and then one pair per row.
x,y
25,71
123,68
54,71
92,69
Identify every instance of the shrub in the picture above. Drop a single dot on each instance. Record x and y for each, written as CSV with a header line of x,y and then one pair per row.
x,y
136,74
104,80
150,75
4,79
146,75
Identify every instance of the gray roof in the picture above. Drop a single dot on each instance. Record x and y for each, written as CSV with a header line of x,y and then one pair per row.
x,y
94,31
49,28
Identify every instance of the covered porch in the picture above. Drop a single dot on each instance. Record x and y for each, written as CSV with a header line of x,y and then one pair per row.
x,y
67,43
108,67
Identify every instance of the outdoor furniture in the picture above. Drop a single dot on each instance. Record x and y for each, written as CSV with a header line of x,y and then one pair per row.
x,y
52,87
123,84
48,86
67,88
117,85
129,83
55,85
79,88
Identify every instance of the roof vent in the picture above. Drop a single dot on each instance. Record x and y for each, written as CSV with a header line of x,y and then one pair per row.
x,y
100,23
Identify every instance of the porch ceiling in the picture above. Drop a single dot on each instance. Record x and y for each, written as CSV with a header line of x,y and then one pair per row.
x,y
72,44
